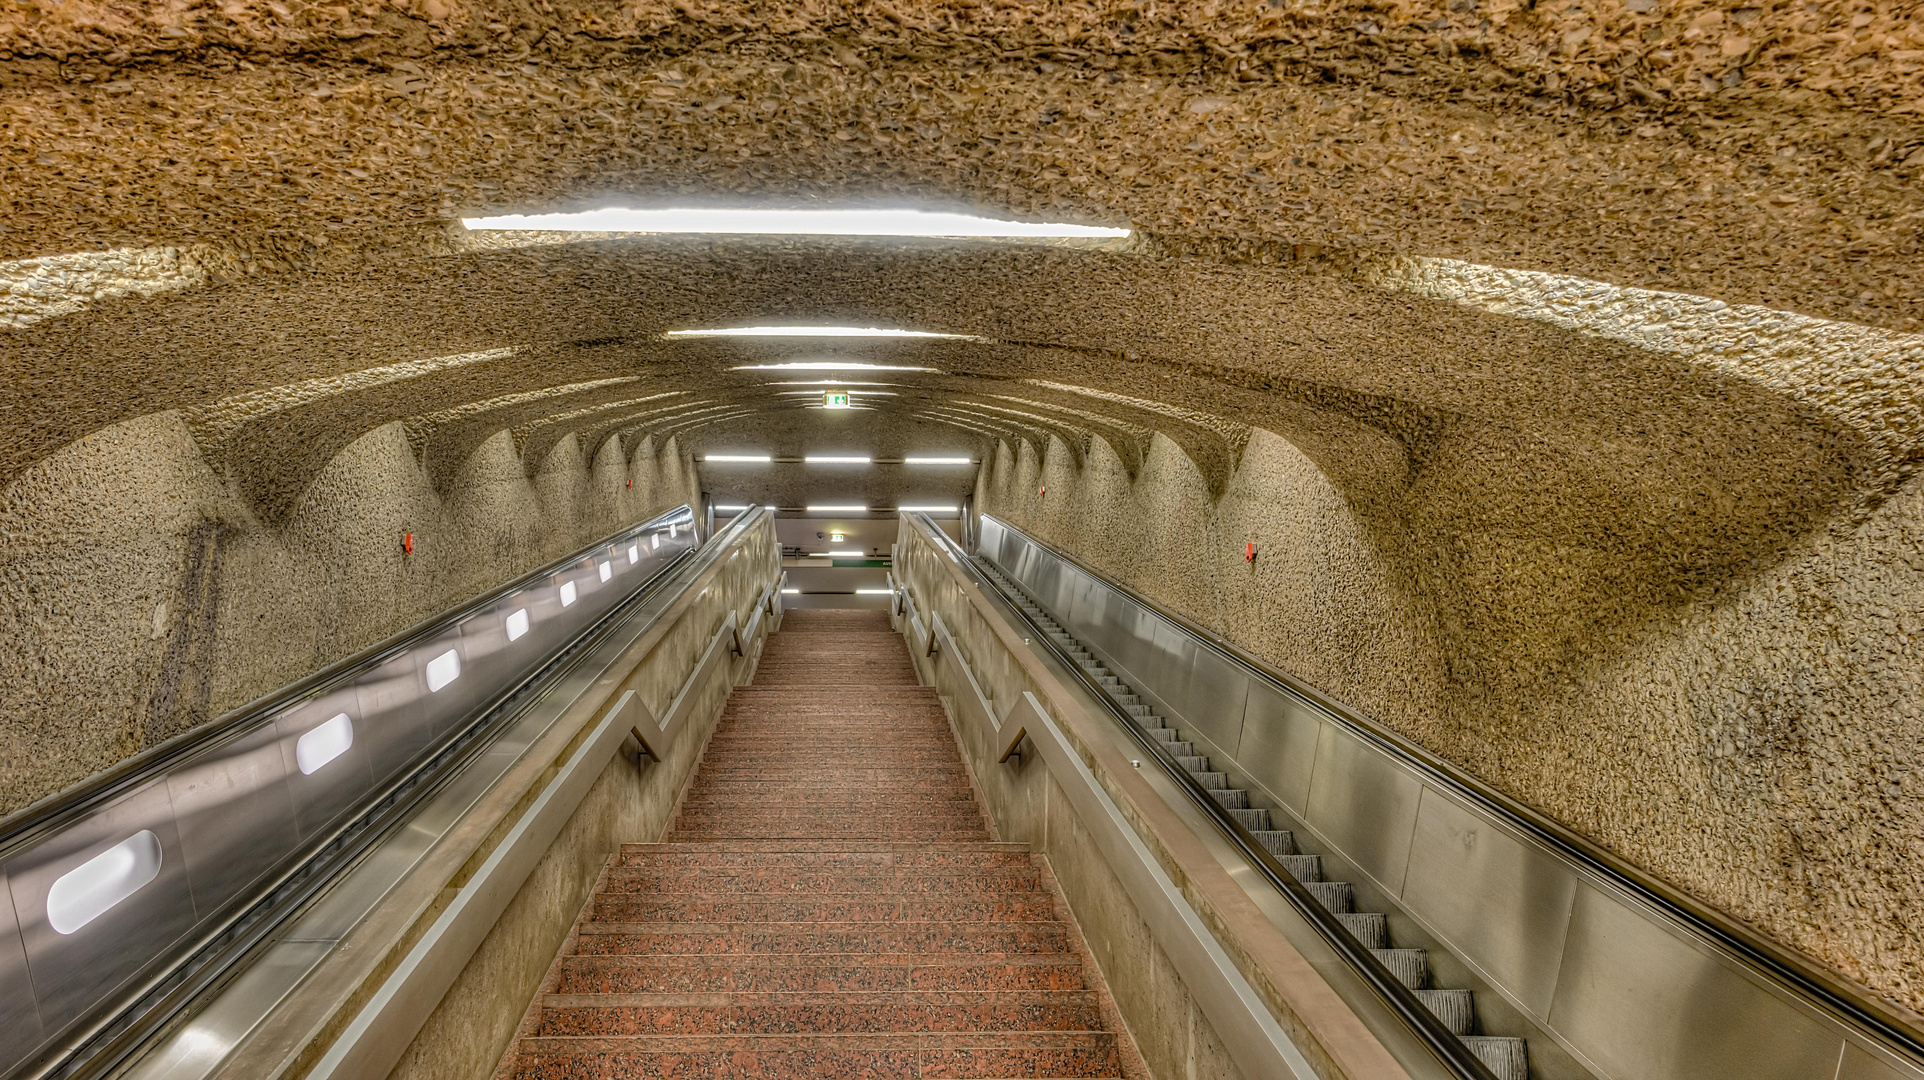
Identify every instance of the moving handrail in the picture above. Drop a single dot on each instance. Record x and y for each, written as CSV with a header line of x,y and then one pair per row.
x,y
1403,1003
1860,1017
132,892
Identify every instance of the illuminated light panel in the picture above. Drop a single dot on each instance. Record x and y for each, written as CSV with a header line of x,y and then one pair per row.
x,y
926,509
835,399
567,593
829,459
654,541
831,365
791,592
517,624
845,554
760,458
443,670
874,592
731,508
757,222
938,461
607,571
86,892
838,509
813,332
634,554
323,743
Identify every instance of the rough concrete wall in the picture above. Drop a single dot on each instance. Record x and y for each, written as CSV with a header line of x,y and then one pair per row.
x,y
143,596
1754,745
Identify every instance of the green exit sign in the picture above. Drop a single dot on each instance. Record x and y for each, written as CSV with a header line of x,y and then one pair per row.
x,y
835,399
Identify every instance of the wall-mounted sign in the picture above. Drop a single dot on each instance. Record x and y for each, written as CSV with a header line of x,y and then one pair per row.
x,y
835,399
836,538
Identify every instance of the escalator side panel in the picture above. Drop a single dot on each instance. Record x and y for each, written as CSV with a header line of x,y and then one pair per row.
x,y
235,816
321,797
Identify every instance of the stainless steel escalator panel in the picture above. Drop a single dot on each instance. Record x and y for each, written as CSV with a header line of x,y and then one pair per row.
x,y
393,710
1863,1063
1646,1005
1216,698
321,797
235,816
72,971
1278,745
19,1016
1364,806
1503,904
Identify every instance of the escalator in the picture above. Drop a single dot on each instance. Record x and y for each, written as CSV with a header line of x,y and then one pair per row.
x,y
161,909
1527,946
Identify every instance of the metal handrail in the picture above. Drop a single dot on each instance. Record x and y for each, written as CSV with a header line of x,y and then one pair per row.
x,y
1442,1044
1847,1000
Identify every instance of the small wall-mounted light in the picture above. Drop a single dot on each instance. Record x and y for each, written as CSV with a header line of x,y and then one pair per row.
x,y
407,543
1249,552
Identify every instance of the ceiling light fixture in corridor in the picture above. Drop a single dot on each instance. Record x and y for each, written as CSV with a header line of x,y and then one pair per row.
x,y
828,365
813,332
790,223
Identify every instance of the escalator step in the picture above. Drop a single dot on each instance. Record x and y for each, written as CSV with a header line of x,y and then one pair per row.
x,y
1280,842
1368,927
1304,868
1193,764
1509,1059
1180,749
1232,798
1166,734
1455,1008
1337,896
1255,820
1213,781
1410,966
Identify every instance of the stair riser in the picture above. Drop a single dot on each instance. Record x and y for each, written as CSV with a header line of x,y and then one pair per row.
x,y
982,941
820,909
817,975
1076,1012
905,1064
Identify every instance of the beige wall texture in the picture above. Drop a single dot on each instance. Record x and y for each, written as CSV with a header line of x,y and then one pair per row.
x,y
1754,741
143,593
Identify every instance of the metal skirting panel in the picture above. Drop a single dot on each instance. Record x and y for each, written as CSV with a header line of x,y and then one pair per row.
x,y
1631,991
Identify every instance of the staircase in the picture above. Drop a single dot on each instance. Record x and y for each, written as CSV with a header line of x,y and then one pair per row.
x,y
1507,1057
829,901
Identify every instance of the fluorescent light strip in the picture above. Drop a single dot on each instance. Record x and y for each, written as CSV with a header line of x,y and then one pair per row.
x,y
838,509
791,592
874,592
938,461
760,458
829,459
926,509
811,332
786,223
830,365
731,508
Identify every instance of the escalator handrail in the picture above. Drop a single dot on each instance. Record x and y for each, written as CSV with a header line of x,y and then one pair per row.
x,y
1850,1002
1449,1050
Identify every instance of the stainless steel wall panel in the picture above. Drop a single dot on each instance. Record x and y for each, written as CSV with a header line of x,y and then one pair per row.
x,y
1278,745
1503,905
1218,692
1363,805
1860,1063
393,709
1644,1004
73,971
320,798
235,816
20,1030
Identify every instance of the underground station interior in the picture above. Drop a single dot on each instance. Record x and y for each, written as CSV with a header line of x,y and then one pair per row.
x,y
1176,539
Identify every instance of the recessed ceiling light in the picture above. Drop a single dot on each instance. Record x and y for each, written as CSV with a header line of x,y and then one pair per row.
x,y
731,508
787,222
938,461
838,509
830,365
845,554
764,458
874,592
925,509
814,459
791,592
812,332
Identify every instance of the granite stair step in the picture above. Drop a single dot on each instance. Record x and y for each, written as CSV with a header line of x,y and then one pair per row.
x,y
750,1014
871,1056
